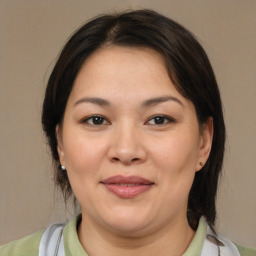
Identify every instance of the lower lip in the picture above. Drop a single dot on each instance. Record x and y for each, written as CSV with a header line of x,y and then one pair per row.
x,y
127,192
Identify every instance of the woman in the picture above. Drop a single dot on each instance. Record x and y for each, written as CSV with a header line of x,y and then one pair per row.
x,y
133,117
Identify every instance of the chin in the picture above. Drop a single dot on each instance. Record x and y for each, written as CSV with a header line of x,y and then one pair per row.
x,y
130,230
128,223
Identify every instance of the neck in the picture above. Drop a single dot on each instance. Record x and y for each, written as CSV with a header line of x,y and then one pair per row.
x,y
172,240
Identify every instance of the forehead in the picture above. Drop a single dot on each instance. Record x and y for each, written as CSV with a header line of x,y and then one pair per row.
x,y
124,69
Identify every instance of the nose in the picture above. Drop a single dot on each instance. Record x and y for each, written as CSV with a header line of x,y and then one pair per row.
x,y
126,145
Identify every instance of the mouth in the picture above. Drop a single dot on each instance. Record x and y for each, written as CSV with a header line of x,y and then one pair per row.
x,y
127,187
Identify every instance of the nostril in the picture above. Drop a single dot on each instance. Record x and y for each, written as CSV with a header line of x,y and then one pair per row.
x,y
125,161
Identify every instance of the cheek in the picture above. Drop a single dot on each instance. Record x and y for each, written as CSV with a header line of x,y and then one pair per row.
x,y
83,158
176,159
83,155
175,153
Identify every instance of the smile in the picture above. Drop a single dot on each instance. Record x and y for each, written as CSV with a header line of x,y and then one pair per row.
x,y
127,187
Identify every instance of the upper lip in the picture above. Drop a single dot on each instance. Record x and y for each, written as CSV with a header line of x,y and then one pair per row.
x,y
119,179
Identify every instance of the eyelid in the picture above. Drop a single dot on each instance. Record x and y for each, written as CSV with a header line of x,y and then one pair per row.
x,y
168,118
85,120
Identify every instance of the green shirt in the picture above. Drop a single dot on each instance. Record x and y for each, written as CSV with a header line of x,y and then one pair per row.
x,y
29,245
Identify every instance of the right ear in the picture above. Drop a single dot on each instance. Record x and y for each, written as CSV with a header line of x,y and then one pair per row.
x,y
60,150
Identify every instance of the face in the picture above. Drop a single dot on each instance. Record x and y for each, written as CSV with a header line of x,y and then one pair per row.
x,y
130,142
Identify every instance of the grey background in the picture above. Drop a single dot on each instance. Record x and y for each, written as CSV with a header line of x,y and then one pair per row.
x,y
33,32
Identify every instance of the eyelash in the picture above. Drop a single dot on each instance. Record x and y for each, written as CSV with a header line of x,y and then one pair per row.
x,y
103,121
86,120
166,119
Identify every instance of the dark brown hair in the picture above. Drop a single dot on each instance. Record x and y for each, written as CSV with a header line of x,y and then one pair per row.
x,y
188,67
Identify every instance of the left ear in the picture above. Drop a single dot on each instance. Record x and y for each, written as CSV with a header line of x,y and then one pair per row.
x,y
58,133
205,143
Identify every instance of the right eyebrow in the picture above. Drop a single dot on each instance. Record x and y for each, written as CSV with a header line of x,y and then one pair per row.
x,y
96,101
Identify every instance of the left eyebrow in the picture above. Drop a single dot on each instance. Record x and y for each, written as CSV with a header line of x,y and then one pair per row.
x,y
158,100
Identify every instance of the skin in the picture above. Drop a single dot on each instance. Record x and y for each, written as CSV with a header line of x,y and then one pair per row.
x,y
129,141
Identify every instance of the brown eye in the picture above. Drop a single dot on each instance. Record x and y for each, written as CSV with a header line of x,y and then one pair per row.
x,y
159,120
96,120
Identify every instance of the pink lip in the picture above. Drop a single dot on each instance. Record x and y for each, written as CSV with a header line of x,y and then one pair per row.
x,y
127,187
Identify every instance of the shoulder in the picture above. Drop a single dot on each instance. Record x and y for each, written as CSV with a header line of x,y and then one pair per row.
x,y
27,246
245,251
226,246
